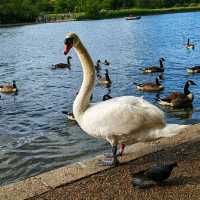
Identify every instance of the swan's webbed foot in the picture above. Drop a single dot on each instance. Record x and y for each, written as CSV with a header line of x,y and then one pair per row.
x,y
110,155
110,162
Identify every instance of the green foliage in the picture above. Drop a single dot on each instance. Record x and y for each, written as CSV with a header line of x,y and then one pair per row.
x,y
64,6
92,9
12,11
44,6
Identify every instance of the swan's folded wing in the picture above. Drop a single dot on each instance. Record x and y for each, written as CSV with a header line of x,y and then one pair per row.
x,y
121,116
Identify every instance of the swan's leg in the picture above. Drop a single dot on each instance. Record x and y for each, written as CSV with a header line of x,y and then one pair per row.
x,y
122,147
110,162
115,160
121,152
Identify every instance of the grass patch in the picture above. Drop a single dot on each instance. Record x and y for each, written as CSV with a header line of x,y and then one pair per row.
x,y
105,14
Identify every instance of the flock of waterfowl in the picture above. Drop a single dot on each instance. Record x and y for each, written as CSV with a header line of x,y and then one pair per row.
x,y
175,99
120,120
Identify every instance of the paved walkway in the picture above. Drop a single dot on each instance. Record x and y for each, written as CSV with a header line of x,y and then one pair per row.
x,y
115,183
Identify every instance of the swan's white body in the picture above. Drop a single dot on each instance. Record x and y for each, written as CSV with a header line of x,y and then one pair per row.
x,y
125,119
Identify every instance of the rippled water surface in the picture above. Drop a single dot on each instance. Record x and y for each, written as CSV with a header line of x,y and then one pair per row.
x,y
34,134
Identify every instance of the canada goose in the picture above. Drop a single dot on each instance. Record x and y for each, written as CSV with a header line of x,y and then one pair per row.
x,y
153,69
179,100
106,97
106,63
121,120
63,65
189,45
98,68
9,88
150,87
69,115
194,69
104,80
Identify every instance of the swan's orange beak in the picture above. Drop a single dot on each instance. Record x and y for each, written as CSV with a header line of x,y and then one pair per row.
x,y
67,48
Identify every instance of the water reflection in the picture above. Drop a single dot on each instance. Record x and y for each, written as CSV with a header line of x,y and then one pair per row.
x,y
180,113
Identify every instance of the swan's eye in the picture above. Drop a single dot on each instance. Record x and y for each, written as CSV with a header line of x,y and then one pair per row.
x,y
68,44
68,41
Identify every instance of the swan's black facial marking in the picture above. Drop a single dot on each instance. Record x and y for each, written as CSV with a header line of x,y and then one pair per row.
x,y
68,42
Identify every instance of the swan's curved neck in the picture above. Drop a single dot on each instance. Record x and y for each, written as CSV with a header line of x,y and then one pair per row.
x,y
82,100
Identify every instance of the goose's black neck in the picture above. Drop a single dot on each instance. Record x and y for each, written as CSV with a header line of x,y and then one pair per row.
x,y
188,42
107,76
157,81
161,63
186,88
68,60
14,84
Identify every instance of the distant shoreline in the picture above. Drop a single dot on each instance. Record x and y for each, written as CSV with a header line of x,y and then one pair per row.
x,y
16,24
32,23
108,14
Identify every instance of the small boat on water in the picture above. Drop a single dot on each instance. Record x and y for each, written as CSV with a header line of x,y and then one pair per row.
x,y
133,17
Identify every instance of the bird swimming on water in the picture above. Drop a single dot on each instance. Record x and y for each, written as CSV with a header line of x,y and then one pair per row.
x,y
106,62
177,99
189,45
104,80
153,69
194,69
150,86
9,88
63,65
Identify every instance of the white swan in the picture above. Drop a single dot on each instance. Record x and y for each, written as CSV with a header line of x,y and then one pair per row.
x,y
120,120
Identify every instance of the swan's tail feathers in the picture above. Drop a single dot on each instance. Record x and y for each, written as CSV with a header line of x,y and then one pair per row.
x,y
169,130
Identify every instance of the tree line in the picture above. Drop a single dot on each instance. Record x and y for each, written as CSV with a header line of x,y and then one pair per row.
x,y
12,11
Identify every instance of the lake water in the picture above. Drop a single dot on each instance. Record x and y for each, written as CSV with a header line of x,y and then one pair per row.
x,y
34,134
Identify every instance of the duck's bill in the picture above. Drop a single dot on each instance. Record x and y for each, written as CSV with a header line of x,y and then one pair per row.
x,y
67,48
